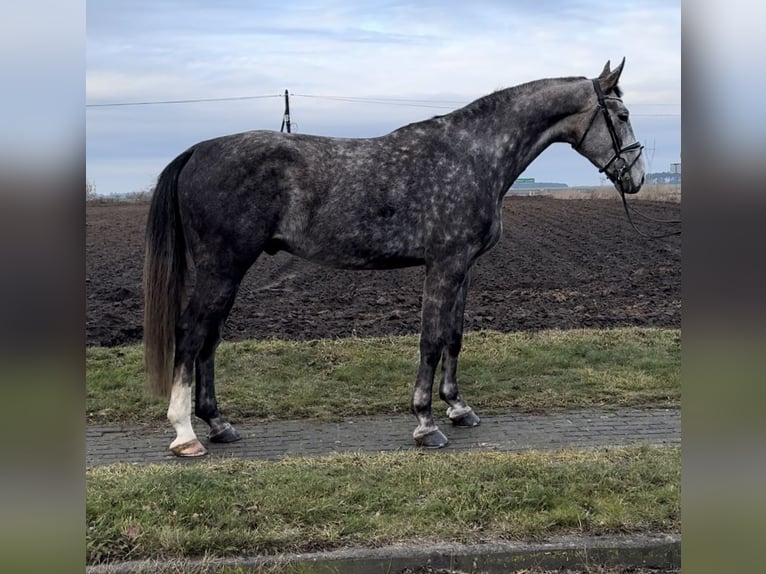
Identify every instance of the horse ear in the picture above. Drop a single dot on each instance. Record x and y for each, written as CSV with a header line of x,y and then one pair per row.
x,y
605,71
609,80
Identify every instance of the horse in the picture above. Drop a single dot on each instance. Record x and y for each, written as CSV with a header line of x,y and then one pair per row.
x,y
427,194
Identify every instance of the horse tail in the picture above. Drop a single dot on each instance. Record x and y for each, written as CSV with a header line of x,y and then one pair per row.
x,y
164,276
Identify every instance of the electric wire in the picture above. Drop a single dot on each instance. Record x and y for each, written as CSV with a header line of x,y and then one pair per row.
x,y
408,102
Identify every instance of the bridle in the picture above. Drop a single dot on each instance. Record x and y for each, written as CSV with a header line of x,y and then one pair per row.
x,y
618,151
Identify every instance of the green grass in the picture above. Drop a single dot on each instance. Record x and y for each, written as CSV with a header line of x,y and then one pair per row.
x,y
329,379
235,507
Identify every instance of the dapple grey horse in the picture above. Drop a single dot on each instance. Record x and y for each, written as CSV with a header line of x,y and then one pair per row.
x,y
429,193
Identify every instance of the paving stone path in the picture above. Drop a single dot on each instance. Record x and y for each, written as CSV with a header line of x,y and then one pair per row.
x,y
586,428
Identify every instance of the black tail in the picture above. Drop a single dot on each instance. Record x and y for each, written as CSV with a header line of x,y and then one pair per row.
x,y
164,275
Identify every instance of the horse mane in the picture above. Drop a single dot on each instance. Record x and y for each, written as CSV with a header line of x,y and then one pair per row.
x,y
489,101
512,91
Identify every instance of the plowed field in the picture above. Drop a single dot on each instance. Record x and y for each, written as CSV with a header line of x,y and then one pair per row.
x,y
560,264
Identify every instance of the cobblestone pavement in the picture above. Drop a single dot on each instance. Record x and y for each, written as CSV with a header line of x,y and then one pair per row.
x,y
509,432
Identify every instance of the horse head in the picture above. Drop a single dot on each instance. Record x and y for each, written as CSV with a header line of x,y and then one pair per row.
x,y
606,136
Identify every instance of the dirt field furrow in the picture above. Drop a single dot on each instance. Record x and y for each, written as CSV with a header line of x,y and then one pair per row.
x,y
560,264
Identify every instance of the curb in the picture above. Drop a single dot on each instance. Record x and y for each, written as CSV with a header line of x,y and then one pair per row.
x,y
660,551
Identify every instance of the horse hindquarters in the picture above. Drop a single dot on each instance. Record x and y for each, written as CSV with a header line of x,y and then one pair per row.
x,y
175,342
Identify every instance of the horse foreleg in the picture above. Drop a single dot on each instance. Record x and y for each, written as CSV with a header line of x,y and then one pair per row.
x,y
458,411
439,296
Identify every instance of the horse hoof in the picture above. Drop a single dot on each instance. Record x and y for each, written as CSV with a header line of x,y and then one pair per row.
x,y
434,439
189,449
467,420
225,433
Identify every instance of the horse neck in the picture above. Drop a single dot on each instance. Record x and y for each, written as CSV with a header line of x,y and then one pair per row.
x,y
508,129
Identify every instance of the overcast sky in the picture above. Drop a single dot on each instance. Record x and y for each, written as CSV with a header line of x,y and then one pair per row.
x,y
443,53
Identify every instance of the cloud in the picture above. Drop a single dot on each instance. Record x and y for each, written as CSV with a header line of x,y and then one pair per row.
x,y
454,50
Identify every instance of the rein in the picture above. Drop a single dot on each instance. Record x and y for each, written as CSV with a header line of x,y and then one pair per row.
x,y
618,151
647,235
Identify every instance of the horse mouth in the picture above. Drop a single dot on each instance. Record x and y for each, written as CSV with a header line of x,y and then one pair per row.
x,y
627,186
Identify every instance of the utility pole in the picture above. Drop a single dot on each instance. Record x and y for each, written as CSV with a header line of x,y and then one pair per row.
x,y
286,117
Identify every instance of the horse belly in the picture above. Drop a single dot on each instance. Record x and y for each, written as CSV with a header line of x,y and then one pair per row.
x,y
347,250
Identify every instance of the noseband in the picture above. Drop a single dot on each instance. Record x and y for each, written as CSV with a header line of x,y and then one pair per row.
x,y
618,150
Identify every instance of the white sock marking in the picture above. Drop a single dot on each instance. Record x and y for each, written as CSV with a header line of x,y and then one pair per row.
x,y
179,412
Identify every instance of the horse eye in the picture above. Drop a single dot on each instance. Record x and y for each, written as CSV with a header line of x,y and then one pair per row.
x,y
623,116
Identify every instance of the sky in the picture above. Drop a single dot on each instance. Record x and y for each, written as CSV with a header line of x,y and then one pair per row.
x,y
332,56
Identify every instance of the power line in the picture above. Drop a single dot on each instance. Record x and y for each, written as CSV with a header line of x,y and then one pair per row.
x,y
382,101
408,102
191,101
404,102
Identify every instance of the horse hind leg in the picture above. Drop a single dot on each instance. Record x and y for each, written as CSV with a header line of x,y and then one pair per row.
x,y
197,333
206,404
458,411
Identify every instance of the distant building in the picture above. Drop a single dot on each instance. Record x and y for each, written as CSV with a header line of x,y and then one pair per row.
x,y
664,177
675,168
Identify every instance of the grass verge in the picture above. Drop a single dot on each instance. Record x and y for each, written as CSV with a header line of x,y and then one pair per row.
x,y
236,507
330,379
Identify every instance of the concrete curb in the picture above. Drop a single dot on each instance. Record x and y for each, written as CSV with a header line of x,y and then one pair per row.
x,y
658,550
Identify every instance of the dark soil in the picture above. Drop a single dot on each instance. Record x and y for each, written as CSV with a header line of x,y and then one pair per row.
x,y
560,264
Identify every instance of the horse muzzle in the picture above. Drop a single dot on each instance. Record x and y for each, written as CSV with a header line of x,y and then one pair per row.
x,y
622,177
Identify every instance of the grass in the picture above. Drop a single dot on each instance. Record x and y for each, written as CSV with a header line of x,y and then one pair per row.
x,y
330,379
235,507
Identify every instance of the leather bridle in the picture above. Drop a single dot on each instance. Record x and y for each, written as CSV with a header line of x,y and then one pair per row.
x,y
616,146
618,151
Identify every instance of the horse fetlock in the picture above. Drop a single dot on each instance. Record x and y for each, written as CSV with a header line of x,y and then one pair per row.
x,y
223,432
463,416
424,429
457,411
433,438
